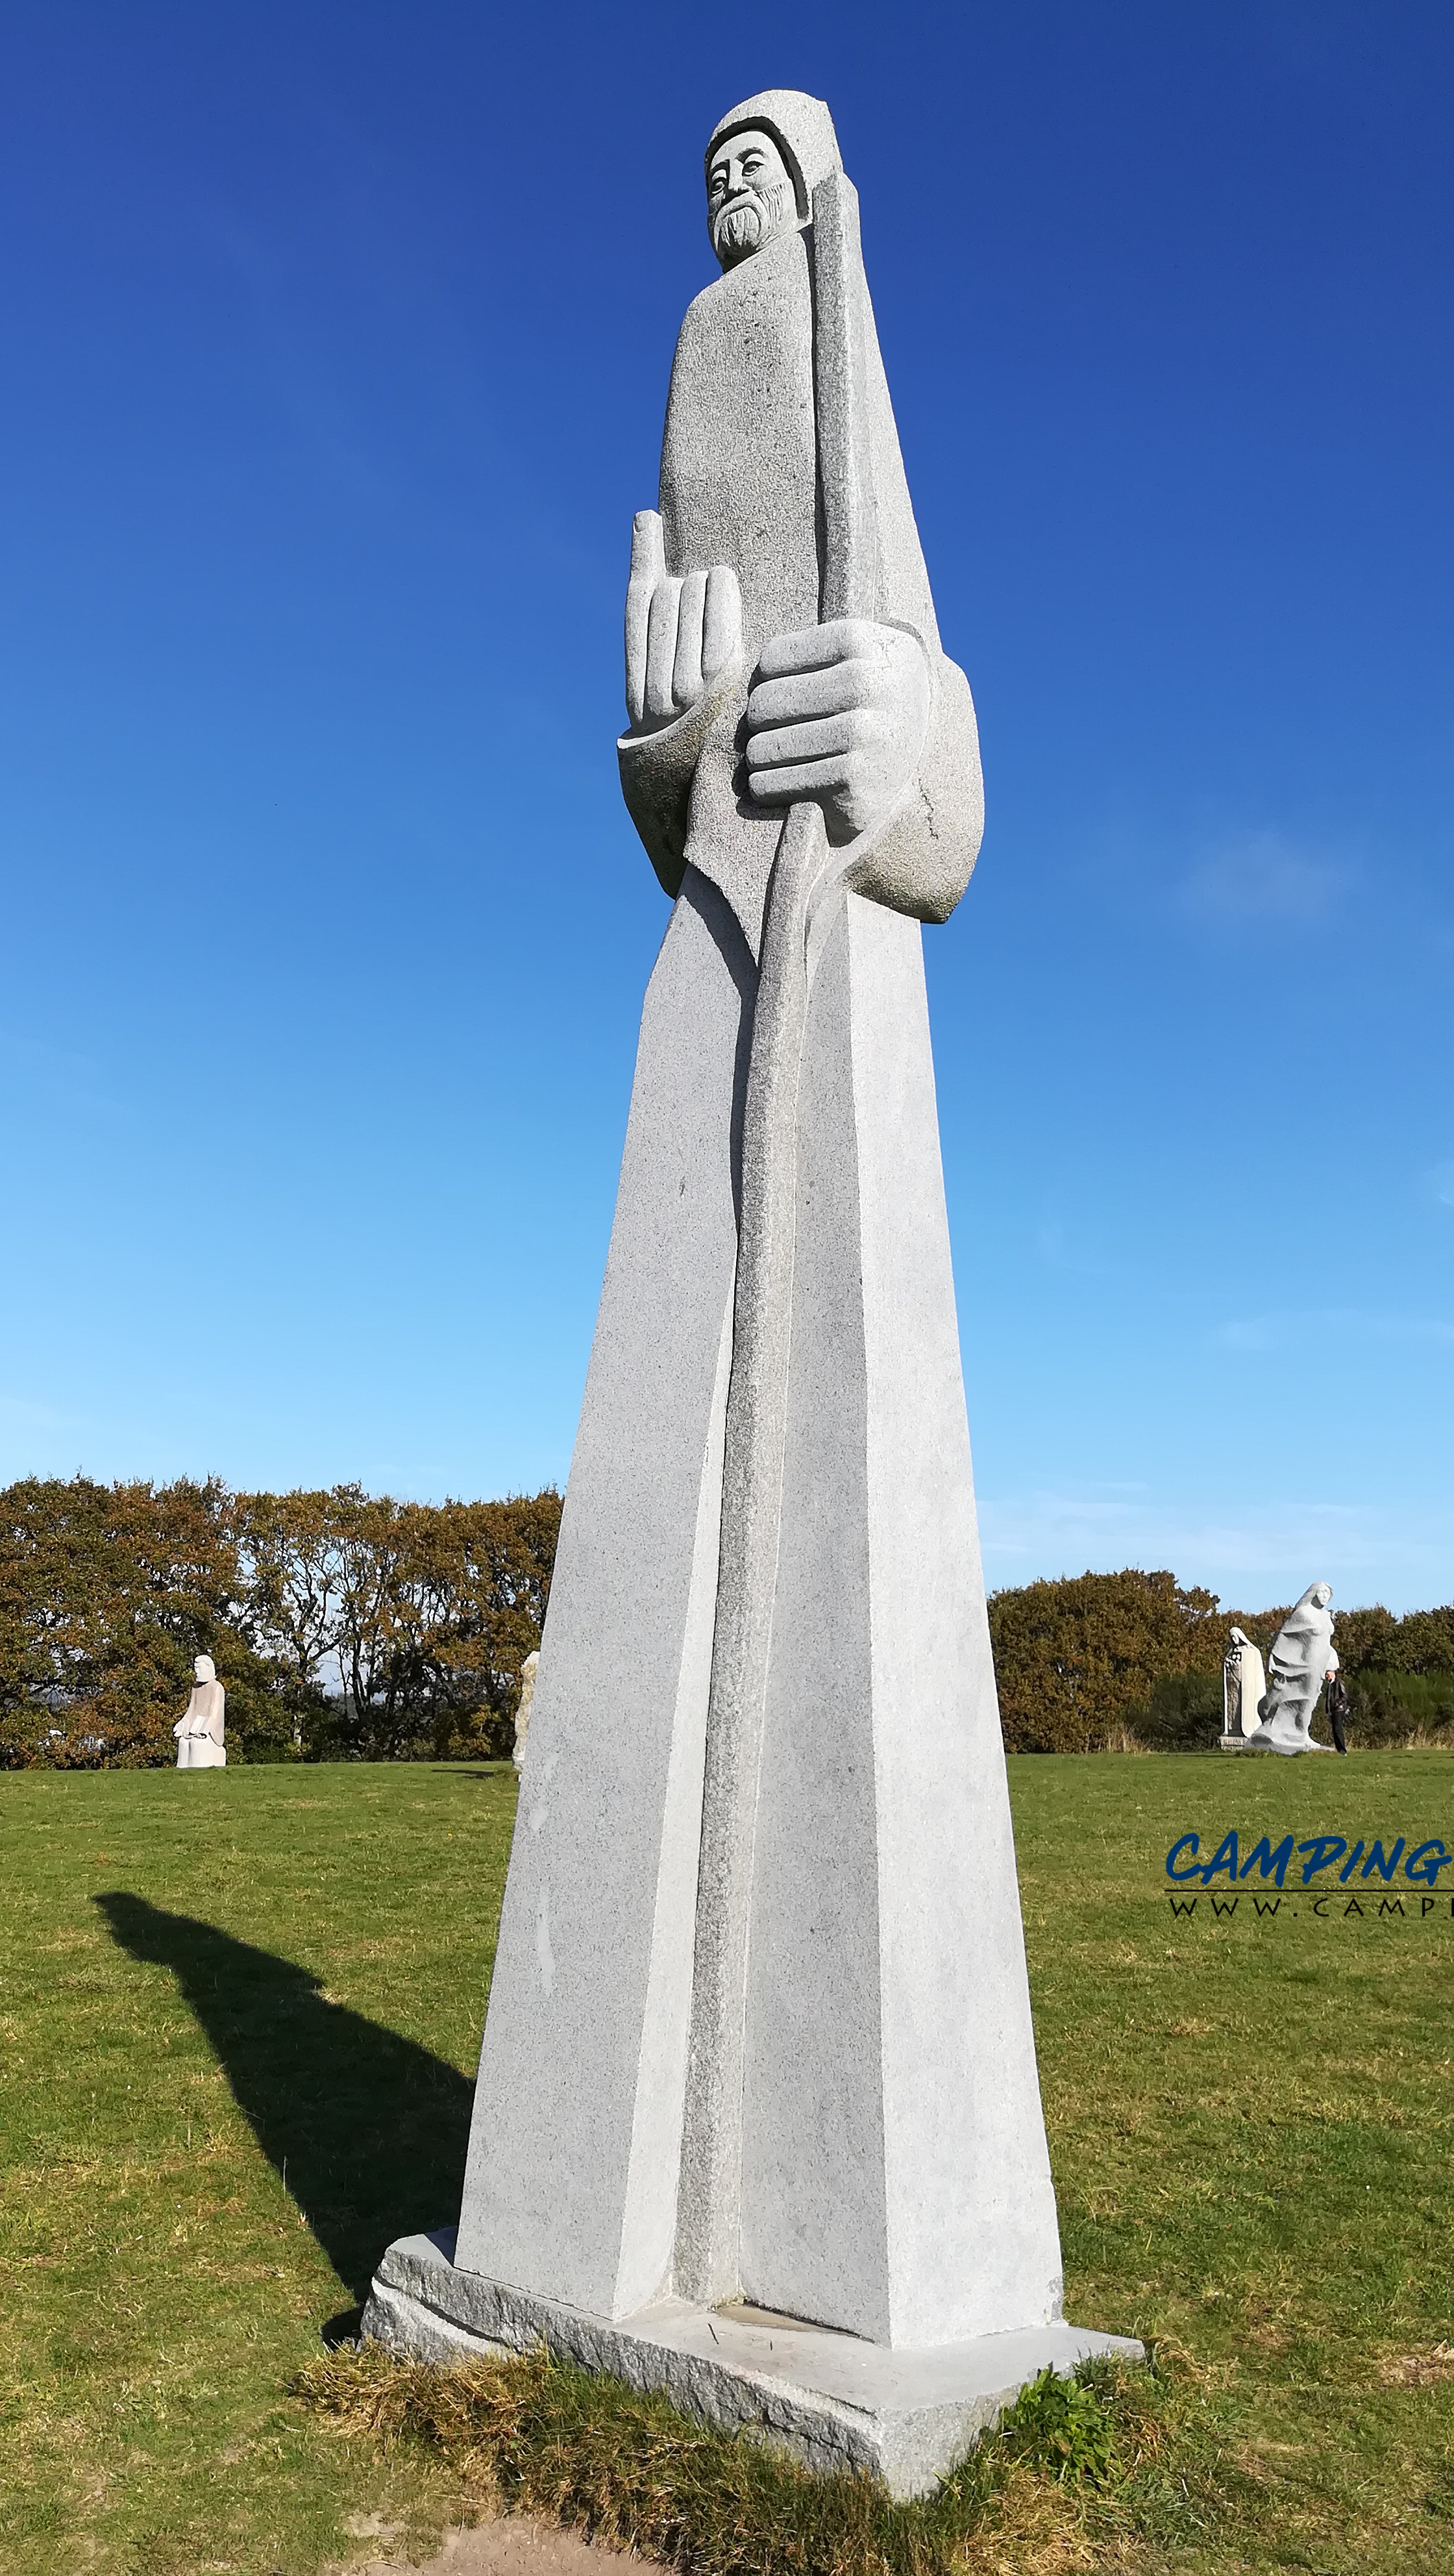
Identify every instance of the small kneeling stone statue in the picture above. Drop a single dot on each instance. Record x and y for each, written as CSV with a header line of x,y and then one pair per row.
x,y
199,1732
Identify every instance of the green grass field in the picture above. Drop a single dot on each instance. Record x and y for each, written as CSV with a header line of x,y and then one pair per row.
x,y
239,2015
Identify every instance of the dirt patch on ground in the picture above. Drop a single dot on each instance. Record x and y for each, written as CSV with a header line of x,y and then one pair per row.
x,y
514,2544
1417,2369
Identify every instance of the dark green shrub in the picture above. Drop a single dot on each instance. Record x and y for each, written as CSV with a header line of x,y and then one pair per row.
x,y
1386,1707
1183,1711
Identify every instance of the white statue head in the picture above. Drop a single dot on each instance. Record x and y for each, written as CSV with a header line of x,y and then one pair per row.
x,y
764,160
750,198
1320,1595
204,1669
1238,1639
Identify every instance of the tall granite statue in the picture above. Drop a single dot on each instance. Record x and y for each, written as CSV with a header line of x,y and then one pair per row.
x,y
201,1730
1301,1654
1244,1680
759,2029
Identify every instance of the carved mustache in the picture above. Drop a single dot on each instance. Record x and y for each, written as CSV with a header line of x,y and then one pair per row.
x,y
751,211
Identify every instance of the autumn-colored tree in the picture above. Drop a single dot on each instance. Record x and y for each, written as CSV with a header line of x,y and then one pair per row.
x,y
1077,1659
1374,1641
442,1603
1400,1673
292,1574
1081,1659
372,1537
345,1624
500,1557
106,1595
1362,1637
340,1623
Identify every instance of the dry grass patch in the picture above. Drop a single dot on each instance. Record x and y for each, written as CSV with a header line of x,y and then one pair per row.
x,y
1064,2486
1417,2369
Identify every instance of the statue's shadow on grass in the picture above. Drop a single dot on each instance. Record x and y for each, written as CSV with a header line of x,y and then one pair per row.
x,y
367,2130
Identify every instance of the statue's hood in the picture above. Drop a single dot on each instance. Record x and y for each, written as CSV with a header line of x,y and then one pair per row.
x,y
802,129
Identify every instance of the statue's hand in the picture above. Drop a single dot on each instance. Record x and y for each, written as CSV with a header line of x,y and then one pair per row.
x,y
839,713
679,633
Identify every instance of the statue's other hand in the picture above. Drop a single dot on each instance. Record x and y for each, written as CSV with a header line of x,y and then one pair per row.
x,y
679,632
839,713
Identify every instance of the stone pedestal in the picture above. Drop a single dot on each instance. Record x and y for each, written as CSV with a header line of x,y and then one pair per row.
x,y
832,2400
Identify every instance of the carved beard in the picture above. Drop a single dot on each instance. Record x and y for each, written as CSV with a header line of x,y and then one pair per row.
x,y
745,223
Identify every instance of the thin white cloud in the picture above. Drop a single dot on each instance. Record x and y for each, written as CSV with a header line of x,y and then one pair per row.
x,y
1062,1249
1262,877
1442,1178
1295,1330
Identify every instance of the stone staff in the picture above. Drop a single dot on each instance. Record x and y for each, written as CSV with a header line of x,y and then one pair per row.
x,y
806,873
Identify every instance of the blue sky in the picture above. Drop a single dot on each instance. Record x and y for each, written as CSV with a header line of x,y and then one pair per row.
x,y
337,338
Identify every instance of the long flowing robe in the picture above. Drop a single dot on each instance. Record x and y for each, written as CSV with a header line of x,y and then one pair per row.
x,y
1299,1657
1244,1681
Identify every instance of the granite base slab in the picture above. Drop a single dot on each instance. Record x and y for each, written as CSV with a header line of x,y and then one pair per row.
x,y
833,2400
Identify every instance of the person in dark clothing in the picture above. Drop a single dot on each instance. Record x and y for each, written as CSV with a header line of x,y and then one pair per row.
x,y
1335,1701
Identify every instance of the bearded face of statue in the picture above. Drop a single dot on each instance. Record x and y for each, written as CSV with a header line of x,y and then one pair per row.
x,y
750,196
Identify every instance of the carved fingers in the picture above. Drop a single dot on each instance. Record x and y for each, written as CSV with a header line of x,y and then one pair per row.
x,y
721,621
648,567
680,631
839,713
686,669
661,649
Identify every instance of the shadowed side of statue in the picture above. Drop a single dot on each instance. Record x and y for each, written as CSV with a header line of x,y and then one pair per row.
x,y
367,2128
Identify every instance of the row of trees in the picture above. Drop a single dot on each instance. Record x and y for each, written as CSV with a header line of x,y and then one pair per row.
x,y
1083,1662
344,1624
341,1624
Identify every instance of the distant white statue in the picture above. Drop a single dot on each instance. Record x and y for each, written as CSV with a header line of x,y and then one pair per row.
x,y
1302,1653
200,1731
528,1671
1243,1683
